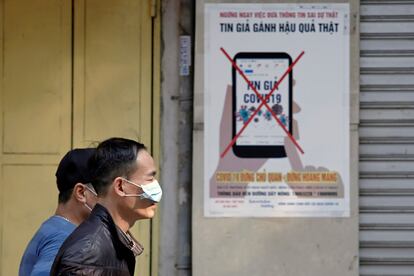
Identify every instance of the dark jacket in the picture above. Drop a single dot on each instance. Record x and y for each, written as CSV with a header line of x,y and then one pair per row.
x,y
96,247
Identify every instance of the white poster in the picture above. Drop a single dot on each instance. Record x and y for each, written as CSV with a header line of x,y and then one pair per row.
x,y
276,110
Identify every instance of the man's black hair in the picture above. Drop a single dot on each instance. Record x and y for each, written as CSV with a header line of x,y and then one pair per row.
x,y
114,157
64,196
73,168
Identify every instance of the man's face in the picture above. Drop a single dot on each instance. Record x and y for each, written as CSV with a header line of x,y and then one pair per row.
x,y
145,174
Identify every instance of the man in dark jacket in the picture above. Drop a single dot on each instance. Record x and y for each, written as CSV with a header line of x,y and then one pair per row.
x,y
127,192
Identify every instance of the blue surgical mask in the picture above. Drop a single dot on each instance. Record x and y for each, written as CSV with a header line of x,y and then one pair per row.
x,y
151,191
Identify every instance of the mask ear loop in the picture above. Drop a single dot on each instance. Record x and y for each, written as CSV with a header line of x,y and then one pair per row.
x,y
134,195
93,192
87,207
141,196
136,185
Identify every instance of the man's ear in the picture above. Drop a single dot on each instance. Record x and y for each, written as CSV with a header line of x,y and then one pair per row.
x,y
118,187
79,192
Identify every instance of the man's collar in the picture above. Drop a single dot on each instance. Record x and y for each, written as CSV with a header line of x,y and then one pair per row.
x,y
130,242
125,238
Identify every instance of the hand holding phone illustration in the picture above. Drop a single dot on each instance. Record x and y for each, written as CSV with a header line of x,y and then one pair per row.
x,y
294,157
232,163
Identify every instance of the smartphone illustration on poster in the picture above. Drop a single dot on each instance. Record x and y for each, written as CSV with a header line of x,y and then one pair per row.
x,y
263,137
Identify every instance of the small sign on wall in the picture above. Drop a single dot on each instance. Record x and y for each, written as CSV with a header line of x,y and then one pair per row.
x,y
185,55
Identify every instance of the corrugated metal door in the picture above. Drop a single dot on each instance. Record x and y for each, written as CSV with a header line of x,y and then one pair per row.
x,y
387,138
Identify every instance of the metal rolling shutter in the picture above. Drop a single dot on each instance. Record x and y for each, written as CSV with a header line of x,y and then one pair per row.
x,y
387,138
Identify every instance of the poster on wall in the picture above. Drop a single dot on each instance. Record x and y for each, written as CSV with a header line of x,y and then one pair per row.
x,y
276,110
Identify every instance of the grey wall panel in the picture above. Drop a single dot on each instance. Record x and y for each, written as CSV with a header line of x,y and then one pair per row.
x,y
385,185
385,94
380,199
386,77
386,163
387,60
388,149
384,26
374,269
387,221
374,44
375,11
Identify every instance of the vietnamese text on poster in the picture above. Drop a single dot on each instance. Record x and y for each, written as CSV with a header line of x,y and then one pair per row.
x,y
276,110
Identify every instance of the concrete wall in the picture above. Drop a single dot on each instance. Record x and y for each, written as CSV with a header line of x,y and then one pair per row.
x,y
176,141
273,246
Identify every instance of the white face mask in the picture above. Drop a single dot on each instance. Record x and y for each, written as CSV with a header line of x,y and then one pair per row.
x,y
151,191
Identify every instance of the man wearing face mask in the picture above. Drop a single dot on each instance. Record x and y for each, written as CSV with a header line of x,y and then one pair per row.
x,y
127,191
76,198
